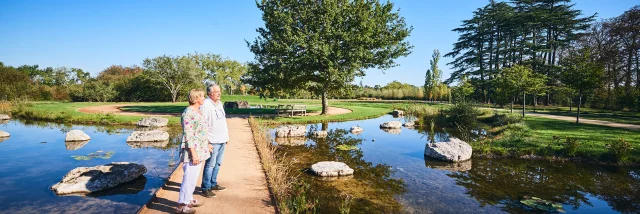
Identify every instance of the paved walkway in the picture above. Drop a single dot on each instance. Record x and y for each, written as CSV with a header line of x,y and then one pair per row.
x,y
241,173
588,121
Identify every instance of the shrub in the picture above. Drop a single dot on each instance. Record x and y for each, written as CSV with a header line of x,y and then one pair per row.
x,y
571,146
620,149
505,119
462,114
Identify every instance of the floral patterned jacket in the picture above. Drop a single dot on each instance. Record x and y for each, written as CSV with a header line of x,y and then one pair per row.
x,y
194,130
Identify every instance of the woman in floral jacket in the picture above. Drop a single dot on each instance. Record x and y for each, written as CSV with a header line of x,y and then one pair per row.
x,y
194,150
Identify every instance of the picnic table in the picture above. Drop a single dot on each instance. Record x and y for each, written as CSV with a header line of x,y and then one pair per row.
x,y
290,109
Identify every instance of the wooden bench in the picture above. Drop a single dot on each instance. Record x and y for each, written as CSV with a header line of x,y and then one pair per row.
x,y
290,109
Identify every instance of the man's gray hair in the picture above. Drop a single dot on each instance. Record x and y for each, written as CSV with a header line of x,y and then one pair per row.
x,y
210,88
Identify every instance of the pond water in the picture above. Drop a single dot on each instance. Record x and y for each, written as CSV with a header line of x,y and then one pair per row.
x,y
36,156
393,176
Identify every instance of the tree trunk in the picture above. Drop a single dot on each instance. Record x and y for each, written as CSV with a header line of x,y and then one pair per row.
x,y
524,98
174,95
325,102
513,99
535,102
570,105
579,103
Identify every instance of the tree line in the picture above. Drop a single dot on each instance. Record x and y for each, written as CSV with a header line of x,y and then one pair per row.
x,y
547,52
163,78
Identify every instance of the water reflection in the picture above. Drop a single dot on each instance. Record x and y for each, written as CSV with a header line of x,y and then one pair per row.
x,y
506,182
392,131
453,167
392,175
371,186
44,158
148,144
129,188
291,141
75,145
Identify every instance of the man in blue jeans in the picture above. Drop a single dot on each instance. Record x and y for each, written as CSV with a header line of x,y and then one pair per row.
x,y
218,135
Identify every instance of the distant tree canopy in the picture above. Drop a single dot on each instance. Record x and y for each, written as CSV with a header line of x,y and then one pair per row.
x,y
321,46
163,78
545,37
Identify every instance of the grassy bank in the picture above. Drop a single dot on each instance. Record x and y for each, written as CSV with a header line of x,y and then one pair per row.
x,y
509,135
68,113
280,179
536,137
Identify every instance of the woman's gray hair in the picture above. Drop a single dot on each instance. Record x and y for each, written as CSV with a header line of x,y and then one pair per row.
x,y
210,88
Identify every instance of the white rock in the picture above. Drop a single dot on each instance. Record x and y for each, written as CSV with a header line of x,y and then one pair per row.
x,y
391,125
153,122
148,136
84,180
356,130
77,135
291,131
331,168
4,134
320,134
4,117
409,124
454,150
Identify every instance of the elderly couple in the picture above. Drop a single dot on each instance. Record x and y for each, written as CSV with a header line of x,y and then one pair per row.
x,y
204,136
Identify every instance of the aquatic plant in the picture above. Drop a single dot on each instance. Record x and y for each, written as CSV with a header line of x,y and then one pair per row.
x,y
344,147
345,206
544,205
97,154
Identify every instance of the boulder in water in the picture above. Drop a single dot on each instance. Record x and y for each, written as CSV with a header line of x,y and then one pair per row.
x,y
397,112
409,124
84,180
391,125
331,168
356,130
148,136
454,150
153,122
291,131
4,117
4,134
77,135
320,134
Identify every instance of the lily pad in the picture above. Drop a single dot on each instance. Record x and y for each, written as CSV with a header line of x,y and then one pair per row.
x,y
346,147
541,204
98,154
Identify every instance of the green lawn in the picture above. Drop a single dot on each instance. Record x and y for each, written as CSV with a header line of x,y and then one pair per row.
x,y
68,113
628,117
539,139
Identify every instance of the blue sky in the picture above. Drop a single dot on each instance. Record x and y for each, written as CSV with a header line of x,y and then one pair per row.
x,y
93,35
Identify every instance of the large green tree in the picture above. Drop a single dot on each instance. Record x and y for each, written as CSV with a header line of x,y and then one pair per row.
x,y
432,81
582,74
173,72
321,46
